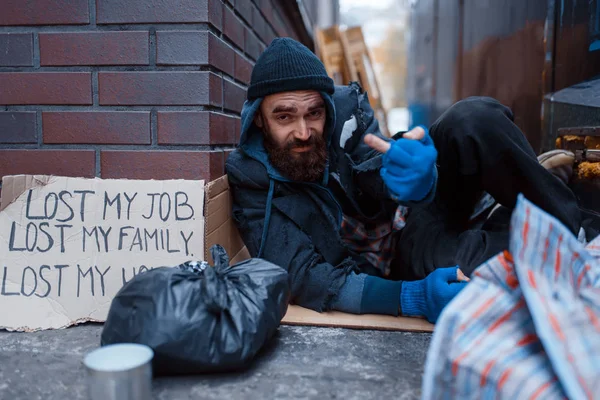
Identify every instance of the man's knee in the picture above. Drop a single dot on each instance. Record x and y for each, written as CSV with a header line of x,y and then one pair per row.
x,y
477,108
473,115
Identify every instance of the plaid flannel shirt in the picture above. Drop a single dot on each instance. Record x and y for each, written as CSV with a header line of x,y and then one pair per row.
x,y
374,241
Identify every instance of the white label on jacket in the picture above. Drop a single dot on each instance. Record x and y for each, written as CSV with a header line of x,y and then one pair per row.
x,y
347,131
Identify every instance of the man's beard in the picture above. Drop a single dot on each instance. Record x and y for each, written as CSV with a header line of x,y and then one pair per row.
x,y
306,166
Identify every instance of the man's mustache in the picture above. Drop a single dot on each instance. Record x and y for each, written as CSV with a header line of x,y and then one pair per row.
x,y
299,143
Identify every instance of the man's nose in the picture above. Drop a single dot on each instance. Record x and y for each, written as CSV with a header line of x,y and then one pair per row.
x,y
302,131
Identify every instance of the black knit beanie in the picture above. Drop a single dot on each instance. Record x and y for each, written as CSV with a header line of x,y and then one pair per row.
x,y
288,65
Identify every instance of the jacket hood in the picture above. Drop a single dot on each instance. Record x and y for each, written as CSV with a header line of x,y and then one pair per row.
x,y
251,136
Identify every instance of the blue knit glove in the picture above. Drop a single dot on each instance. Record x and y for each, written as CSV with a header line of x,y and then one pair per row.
x,y
428,297
409,168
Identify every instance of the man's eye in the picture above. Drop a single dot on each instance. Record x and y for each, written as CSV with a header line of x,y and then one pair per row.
x,y
282,117
316,113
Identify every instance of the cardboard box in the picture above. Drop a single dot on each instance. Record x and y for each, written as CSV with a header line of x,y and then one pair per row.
x,y
220,228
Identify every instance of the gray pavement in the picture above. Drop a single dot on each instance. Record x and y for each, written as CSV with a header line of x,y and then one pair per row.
x,y
300,362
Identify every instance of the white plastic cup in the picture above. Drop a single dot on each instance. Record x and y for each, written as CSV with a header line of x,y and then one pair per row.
x,y
120,372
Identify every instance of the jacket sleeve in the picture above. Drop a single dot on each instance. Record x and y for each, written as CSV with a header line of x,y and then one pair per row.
x,y
368,161
314,283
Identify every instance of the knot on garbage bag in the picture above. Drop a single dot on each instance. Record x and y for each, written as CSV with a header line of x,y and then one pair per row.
x,y
215,289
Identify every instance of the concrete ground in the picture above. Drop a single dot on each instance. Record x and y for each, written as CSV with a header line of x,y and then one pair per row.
x,y
300,362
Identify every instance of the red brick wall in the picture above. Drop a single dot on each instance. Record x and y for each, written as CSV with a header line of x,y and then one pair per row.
x,y
140,89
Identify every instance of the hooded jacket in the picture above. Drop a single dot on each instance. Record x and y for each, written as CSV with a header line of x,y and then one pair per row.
x,y
296,224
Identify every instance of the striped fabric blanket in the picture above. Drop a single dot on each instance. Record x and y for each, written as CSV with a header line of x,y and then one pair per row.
x,y
527,326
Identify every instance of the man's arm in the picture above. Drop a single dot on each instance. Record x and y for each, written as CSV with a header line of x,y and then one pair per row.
x,y
370,161
319,285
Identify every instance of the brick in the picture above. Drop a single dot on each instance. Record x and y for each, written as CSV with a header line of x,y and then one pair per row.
x,y
94,48
233,28
265,33
75,163
221,55
16,49
110,127
159,164
244,7
227,153
44,12
238,130
271,35
182,48
46,88
215,11
217,164
159,88
195,128
233,96
18,127
279,25
159,11
243,69
194,48
266,8
252,45
260,24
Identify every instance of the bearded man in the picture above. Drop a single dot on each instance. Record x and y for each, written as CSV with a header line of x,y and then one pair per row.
x,y
365,224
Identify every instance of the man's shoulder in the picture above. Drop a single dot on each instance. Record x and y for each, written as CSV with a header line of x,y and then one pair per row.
x,y
345,89
345,93
347,99
241,168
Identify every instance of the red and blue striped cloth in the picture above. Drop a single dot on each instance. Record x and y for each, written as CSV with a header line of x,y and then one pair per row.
x,y
527,326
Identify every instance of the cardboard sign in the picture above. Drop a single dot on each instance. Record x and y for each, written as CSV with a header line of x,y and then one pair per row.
x,y
67,245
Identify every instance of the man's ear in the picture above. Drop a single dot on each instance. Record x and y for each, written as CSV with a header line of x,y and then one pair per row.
x,y
258,120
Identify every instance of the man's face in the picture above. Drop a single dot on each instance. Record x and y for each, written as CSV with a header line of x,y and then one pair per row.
x,y
293,124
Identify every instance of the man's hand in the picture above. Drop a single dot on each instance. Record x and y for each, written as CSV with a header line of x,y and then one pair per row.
x,y
375,142
408,163
428,297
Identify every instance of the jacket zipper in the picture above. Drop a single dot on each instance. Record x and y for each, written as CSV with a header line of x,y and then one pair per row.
x,y
339,208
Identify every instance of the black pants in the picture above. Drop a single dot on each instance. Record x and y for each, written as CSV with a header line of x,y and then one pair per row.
x,y
479,149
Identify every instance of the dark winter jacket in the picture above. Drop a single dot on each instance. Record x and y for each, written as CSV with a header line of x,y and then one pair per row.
x,y
296,225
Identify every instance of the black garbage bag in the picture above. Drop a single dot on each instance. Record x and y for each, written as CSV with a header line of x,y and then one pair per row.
x,y
200,319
